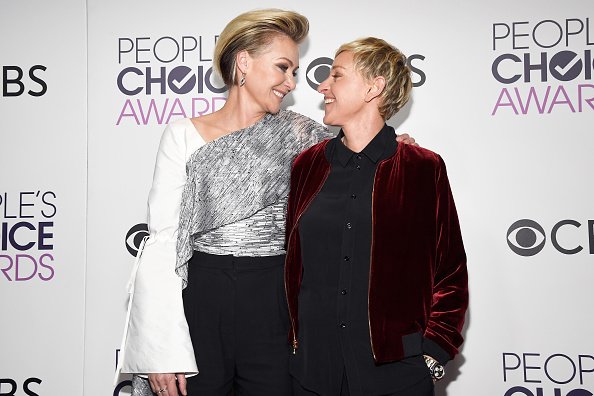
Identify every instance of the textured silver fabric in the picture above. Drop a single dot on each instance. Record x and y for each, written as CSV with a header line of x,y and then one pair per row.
x,y
232,178
255,236
141,387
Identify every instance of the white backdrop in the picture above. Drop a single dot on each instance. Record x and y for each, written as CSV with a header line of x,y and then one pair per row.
x,y
43,189
504,93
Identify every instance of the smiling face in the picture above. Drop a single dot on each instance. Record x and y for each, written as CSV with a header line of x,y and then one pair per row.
x,y
270,75
344,91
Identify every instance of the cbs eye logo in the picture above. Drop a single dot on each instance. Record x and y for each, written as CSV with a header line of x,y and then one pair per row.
x,y
317,71
134,237
526,237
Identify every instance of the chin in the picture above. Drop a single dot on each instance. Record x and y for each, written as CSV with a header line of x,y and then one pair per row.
x,y
328,120
274,109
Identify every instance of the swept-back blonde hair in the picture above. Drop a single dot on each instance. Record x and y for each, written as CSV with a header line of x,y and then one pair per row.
x,y
374,57
253,31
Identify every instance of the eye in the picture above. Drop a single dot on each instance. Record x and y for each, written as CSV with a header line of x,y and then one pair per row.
x,y
526,237
318,71
134,237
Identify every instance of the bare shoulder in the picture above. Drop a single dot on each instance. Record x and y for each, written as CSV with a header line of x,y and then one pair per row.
x,y
208,126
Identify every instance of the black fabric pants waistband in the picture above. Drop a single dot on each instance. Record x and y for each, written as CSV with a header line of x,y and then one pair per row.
x,y
238,263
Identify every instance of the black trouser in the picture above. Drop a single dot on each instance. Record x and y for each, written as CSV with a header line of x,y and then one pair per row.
x,y
423,388
238,319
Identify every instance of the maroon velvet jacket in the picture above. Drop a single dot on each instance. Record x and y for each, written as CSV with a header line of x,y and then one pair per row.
x,y
418,284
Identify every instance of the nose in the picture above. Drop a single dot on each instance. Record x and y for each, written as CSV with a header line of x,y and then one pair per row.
x,y
290,82
323,87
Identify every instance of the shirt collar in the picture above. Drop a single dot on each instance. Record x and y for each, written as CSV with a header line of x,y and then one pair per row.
x,y
380,147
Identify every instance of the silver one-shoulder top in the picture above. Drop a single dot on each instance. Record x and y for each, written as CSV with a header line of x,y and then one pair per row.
x,y
237,186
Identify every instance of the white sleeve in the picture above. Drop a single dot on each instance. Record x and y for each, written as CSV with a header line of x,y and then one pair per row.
x,y
157,339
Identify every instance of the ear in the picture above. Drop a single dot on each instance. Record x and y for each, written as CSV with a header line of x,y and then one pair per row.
x,y
376,87
241,61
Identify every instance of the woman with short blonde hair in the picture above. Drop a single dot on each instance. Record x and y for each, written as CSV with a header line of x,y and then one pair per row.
x,y
375,271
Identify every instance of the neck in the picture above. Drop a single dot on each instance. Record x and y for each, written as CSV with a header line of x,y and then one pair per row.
x,y
359,132
239,112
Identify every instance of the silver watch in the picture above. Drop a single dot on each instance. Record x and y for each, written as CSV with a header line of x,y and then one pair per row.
x,y
435,368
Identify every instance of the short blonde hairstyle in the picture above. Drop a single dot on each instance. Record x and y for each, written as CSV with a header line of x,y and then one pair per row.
x,y
374,57
253,31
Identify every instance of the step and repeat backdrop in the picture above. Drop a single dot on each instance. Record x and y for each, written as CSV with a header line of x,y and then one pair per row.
x,y
43,197
503,91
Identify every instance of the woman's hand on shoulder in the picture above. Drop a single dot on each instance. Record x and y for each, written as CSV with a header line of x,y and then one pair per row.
x,y
165,384
406,139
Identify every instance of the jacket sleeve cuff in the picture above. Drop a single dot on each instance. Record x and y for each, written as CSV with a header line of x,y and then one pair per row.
x,y
433,349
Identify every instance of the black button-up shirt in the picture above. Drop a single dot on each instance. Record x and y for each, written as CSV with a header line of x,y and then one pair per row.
x,y
335,233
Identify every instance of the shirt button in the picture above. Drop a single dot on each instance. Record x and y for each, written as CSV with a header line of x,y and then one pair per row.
x,y
349,225
353,196
346,258
359,156
343,292
358,167
343,325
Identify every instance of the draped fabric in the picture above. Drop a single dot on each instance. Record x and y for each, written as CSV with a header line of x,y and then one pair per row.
x,y
239,174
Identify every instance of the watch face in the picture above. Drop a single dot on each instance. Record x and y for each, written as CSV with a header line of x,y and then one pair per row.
x,y
438,371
